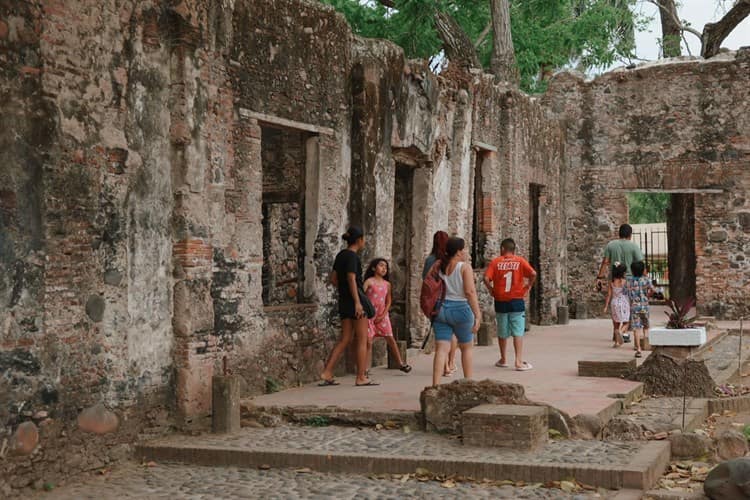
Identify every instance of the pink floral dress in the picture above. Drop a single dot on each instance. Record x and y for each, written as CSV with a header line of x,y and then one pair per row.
x,y
378,293
620,305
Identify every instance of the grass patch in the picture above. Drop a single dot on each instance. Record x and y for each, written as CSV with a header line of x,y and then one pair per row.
x,y
317,421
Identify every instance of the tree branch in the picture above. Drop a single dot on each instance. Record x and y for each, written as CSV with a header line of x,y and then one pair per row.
x,y
715,33
456,42
387,3
483,35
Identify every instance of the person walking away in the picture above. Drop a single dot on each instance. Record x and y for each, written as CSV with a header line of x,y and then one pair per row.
x,y
347,278
509,278
460,314
639,289
619,304
439,240
621,250
378,289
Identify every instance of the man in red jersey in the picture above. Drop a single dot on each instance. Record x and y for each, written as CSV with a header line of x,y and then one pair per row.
x,y
509,278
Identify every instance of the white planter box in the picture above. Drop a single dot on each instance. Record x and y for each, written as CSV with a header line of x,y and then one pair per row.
x,y
683,337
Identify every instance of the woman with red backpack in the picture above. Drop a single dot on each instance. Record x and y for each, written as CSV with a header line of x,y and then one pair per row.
x,y
459,313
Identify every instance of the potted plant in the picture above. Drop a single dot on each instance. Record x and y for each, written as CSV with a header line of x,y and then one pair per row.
x,y
563,312
680,330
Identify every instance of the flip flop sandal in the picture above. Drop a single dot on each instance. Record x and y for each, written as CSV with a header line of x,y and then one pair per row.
x,y
501,365
368,383
638,354
526,366
405,368
326,383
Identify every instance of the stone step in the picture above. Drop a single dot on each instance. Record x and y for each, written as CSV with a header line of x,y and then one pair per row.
x,y
611,465
505,426
606,368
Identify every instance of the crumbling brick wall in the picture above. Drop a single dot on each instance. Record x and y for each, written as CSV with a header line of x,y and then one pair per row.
x,y
678,126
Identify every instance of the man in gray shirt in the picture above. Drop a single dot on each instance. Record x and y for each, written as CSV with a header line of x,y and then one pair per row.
x,y
621,250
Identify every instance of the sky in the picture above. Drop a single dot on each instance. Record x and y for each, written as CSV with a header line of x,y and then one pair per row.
x,y
697,13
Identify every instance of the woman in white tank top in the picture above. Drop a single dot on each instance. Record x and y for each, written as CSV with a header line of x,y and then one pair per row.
x,y
459,314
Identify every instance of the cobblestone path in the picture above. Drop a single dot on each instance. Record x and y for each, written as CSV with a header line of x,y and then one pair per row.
x,y
174,482
414,443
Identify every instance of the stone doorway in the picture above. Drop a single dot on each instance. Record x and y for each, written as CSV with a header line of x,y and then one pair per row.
x,y
669,249
535,252
401,252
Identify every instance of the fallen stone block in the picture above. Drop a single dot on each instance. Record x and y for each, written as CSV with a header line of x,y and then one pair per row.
x,y
98,420
730,444
443,406
688,445
610,368
729,480
25,439
506,426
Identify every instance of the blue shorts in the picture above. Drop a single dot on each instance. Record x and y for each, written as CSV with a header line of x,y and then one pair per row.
x,y
510,324
455,317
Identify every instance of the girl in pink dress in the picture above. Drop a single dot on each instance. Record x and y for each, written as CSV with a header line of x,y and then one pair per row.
x,y
619,303
378,290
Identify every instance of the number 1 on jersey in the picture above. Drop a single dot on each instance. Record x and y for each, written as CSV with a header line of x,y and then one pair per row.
x,y
508,280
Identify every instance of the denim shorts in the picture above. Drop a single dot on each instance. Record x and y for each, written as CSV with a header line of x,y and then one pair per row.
x,y
455,317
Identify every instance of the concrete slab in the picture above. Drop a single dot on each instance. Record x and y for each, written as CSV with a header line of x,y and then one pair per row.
x,y
554,351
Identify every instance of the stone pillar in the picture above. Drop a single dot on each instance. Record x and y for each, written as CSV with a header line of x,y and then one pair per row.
x,y
225,403
484,335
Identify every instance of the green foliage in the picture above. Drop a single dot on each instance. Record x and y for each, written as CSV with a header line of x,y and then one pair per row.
x,y
547,34
272,385
645,208
678,314
746,431
318,421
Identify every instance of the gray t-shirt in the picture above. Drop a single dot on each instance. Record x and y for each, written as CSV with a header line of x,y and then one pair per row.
x,y
623,251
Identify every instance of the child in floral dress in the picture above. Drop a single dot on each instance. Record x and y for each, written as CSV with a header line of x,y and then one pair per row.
x,y
619,304
378,290
639,289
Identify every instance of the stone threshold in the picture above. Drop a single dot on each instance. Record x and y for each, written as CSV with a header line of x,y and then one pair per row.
x,y
641,473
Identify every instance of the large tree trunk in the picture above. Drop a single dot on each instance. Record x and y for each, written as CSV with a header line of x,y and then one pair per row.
x,y
458,47
715,33
503,61
671,29
681,243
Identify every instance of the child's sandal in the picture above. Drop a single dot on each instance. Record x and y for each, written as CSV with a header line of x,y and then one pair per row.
x,y
405,368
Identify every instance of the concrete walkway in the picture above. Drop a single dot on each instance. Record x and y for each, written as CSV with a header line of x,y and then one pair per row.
x,y
554,351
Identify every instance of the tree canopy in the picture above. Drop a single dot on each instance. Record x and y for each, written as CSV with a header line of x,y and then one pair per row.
x,y
547,34
648,208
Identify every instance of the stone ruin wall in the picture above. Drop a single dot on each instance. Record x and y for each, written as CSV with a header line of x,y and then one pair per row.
x,y
133,194
674,126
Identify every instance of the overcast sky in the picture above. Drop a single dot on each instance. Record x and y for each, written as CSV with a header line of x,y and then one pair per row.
x,y
695,12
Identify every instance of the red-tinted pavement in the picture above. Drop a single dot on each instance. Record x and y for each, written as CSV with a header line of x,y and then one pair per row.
x,y
554,351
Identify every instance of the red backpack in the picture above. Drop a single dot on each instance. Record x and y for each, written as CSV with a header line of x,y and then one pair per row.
x,y
433,292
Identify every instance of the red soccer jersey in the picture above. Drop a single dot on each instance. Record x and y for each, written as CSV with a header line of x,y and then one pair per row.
x,y
507,273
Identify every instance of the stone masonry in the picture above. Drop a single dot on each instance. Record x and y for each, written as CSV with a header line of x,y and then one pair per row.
x,y
175,177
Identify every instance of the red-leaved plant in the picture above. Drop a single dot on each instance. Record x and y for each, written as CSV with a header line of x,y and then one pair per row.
x,y
678,316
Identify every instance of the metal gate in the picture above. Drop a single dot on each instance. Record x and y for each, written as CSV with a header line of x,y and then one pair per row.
x,y
652,239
